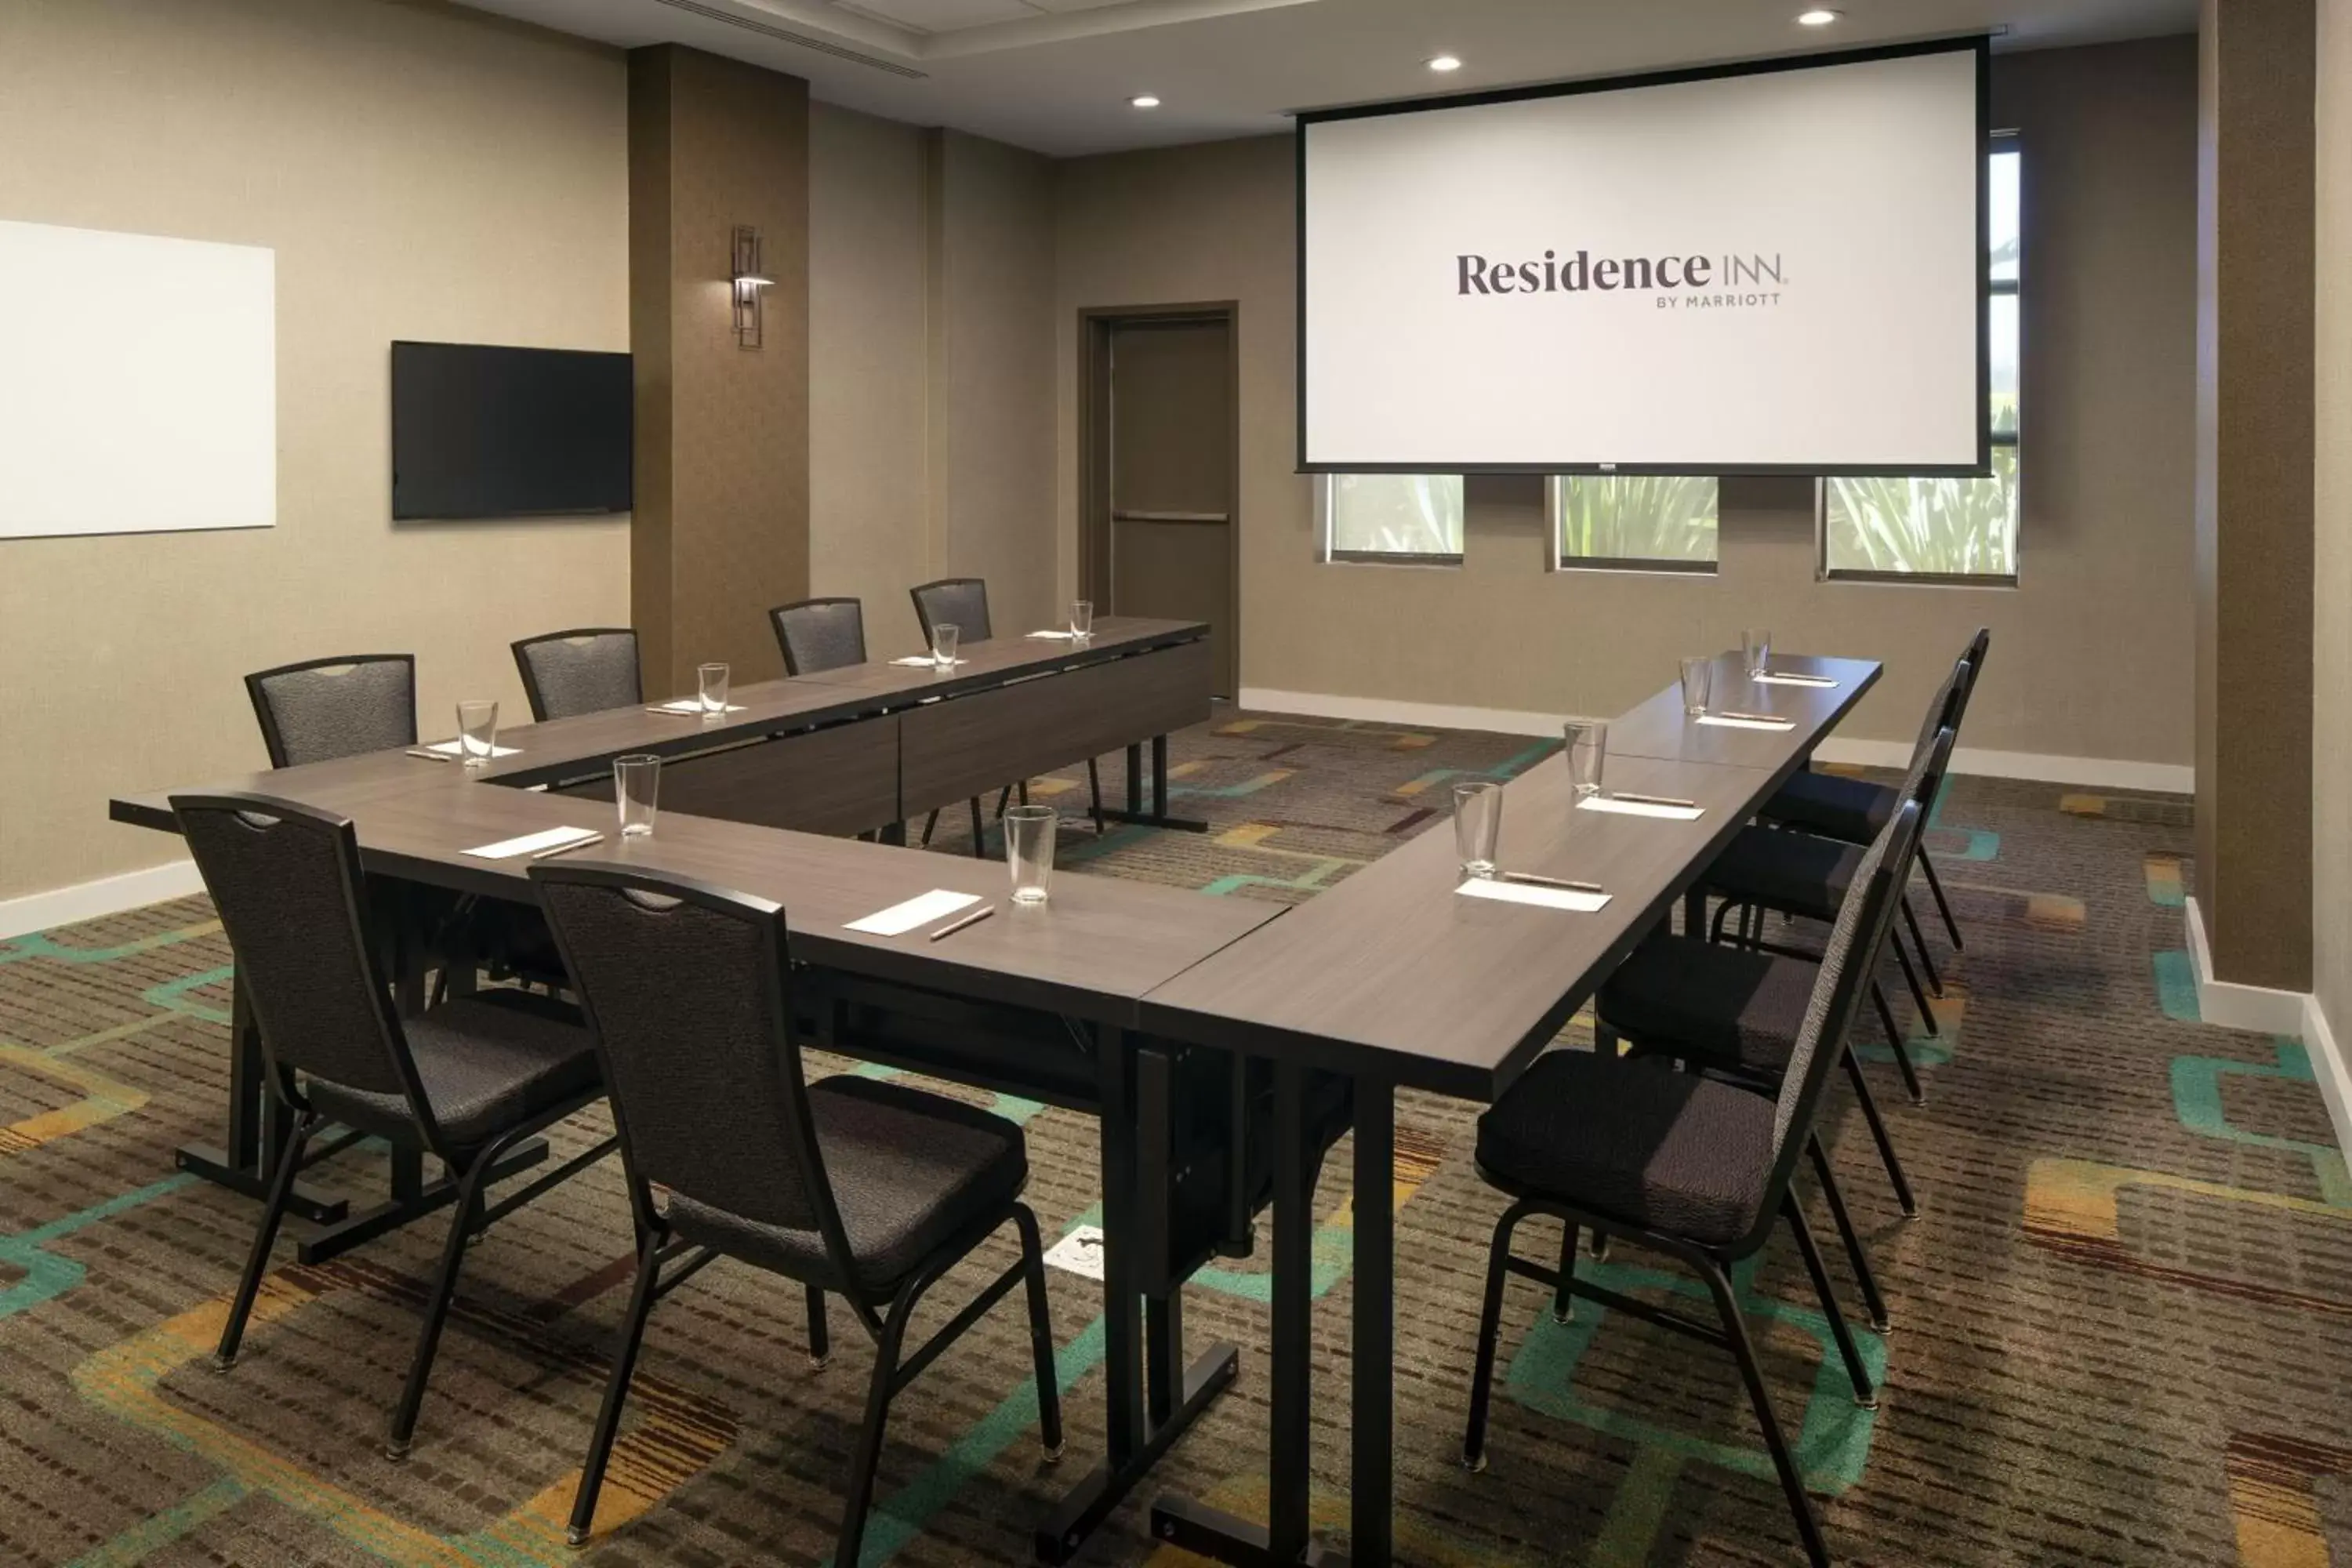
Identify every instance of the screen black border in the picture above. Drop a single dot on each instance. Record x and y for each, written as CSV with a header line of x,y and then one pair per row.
x,y
391,358
1980,44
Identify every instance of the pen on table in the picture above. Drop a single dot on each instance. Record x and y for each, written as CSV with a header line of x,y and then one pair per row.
x,y
568,848
1760,718
431,755
1651,799
1533,880
972,919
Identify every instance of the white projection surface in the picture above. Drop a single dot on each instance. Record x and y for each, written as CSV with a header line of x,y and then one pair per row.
x,y
138,382
1774,270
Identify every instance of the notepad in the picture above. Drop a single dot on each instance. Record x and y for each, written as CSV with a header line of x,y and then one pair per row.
x,y
690,707
1785,678
927,661
921,909
1057,636
1726,721
458,748
1528,893
1640,808
531,843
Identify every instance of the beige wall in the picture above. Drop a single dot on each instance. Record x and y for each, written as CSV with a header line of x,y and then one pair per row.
x,y
868,363
2331,553
422,171
2105,604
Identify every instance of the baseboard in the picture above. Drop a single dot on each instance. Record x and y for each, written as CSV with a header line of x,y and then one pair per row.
x,y
2236,1006
2101,772
106,896
2327,1065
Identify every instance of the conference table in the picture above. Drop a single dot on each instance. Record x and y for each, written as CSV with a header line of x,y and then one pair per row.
x,y
1157,1010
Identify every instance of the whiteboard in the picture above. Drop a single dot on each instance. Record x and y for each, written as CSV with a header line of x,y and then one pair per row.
x,y
138,382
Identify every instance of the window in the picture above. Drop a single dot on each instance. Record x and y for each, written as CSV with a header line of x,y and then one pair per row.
x,y
1414,519
1656,522
1946,530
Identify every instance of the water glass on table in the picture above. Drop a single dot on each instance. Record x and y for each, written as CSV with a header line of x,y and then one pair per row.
x,y
1588,753
945,635
478,732
1082,619
1698,685
1029,851
1477,825
636,790
1755,651
713,680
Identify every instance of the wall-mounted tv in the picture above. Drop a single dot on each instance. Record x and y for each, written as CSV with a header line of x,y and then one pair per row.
x,y
483,432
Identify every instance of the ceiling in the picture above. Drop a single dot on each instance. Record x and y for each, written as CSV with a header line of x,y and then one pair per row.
x,y
1055,75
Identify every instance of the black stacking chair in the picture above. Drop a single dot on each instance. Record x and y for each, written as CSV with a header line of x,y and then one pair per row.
x,y
818,635
584,671
962,603
1808,876
465,1081
1686,1164
336,707
1738,1013
1853,810
850,1185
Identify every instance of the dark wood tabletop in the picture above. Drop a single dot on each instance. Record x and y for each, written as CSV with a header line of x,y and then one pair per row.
x,y
1393,976
1008,654
1659,727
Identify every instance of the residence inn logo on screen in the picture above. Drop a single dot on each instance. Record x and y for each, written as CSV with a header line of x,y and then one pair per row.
x,y
1679,282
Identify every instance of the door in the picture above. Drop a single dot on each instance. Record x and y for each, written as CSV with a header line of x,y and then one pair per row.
x,y
1160,534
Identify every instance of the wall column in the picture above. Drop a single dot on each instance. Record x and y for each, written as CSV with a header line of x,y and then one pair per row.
x,y
2253,558
721,532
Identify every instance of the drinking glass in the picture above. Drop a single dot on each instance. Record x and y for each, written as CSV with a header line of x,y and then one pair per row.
x,y
1756,650
1029,851
1477,825
478,732
1698,685
944,634
1082,618
1588,751
714,679
636,787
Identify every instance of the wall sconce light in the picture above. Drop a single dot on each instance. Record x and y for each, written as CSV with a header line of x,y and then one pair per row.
x,y
748,280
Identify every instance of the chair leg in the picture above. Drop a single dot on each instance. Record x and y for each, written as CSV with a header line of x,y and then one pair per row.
x,y
978,834
820,1334
1563,1299
1490,1322
1895,1043
257,1262
930,822
1005,798
1942,905
1040,1335
616,1389
437,1305
1024,787
1887,1157
863,1458
1864,1275
1866,1393
1792,1484
1715,932
1911,979
1926,958
1094,787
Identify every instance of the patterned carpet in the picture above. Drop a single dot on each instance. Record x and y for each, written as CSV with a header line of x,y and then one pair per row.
x,y
2123,1323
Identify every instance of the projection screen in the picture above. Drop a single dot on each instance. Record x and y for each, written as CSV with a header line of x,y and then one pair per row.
x,y
1766,268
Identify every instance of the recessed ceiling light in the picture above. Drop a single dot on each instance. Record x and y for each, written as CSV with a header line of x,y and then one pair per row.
x,y
1444,63
1819,17
1143,100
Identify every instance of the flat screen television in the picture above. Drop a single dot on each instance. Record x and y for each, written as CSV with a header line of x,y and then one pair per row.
x,y
483,432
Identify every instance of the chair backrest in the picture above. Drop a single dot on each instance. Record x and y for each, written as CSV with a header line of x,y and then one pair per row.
x,y
583,671
338,706
687,992
1978,645
1926,775
961,602
285,881
820,633
1849,961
